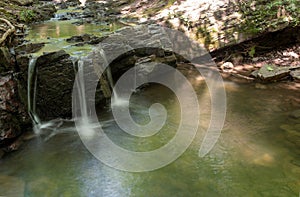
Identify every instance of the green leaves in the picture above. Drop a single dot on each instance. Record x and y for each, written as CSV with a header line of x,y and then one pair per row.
x,y
251,52
27,16
264,15
269,68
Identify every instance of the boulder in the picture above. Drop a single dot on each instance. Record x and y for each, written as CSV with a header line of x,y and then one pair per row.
x,y
55,81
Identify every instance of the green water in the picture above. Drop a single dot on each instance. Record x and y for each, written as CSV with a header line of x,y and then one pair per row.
x,y
55,32
254,156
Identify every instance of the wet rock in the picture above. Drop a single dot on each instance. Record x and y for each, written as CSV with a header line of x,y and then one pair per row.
x,y
269,73
23,62
254,73
29,136
12,112
45,12
129,44
5,60
29,48
295,114
23,2
11,186
85,39
55,82
296,75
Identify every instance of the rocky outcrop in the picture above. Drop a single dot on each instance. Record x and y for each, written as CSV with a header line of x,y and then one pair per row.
x,y
13,115
218,23
129,44
55,79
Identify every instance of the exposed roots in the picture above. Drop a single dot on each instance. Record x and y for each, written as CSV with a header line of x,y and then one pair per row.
x,y
11,29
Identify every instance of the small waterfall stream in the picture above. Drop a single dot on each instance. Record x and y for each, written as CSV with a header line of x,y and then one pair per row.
x,y
32,83
31,91
115,98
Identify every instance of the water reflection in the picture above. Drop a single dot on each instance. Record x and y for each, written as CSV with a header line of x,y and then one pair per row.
x,y
252,157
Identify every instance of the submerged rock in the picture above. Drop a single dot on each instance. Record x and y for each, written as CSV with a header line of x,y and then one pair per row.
x,y
295,114
11,186
43,187
292,133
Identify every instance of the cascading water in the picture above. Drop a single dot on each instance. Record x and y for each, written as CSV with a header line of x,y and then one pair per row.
x,y
31,92
116,100
32,84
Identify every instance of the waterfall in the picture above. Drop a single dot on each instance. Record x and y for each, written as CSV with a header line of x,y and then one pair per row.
x,y
116,100
31,91
31,99
81,90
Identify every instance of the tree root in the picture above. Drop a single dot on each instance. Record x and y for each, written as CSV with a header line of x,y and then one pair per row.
x,y
8,32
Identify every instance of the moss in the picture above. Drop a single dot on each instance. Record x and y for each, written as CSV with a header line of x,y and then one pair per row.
x,y
261,16
27,16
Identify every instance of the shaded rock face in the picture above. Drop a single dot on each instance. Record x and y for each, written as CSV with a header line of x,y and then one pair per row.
x,y
13,115
55,79
6,60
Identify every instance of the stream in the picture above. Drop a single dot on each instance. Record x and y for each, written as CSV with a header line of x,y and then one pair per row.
x,y
256,154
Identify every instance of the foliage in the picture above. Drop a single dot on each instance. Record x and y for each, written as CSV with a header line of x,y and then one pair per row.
x,y
267,15
27,16
269,68
251,52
